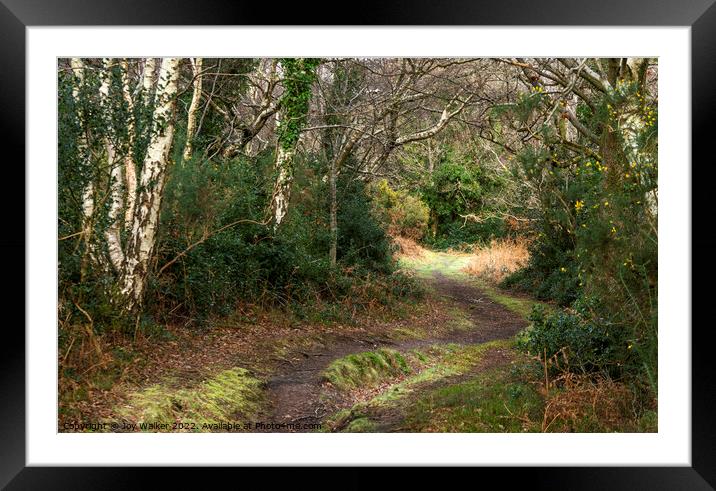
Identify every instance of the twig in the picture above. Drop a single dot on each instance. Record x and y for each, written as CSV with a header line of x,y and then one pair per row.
x,y
92,367
69,349
71,235
90,331
544,430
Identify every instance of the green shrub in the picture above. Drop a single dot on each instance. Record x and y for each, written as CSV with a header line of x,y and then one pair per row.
x,y
461,186
464,235
579,342
455,188
596,239
400,212
549,275
412,217
248,262
362,241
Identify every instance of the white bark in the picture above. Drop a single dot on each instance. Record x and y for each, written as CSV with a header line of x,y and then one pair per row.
x,y
268,105
133,202
78,69
445,118
90,255
144,226
193,108
282,187
150,66
87,215
130,169
112,234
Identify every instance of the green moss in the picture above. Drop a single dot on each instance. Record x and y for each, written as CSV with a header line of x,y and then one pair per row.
x,y
365,369
361,425
344,419
337,420
491,402
155,403
440,361
225,397
420,356
460,319
437,362
405,387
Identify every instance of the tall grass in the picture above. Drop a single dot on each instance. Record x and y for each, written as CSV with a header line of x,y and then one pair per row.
x,y
498,259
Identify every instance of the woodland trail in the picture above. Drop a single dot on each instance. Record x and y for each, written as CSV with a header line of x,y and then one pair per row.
x,y
295,392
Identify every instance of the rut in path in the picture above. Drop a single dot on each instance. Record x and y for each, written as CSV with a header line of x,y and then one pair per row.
x,y
294,394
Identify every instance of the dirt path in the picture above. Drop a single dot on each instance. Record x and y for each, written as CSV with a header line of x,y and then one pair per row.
x,y
295,393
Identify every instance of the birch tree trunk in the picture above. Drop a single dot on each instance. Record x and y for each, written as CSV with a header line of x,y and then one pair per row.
x,y
298,80
116,178
78,70
150,66
142,236
282,186
130,169
193,109
123,249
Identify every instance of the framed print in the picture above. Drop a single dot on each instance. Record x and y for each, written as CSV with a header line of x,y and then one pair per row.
x,y
427,237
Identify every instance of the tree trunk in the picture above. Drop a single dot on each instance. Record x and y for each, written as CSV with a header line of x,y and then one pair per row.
x,y
116,180
431,157
88,256
298,80
334,214
282,186
193,109
150,66
142,236
130,169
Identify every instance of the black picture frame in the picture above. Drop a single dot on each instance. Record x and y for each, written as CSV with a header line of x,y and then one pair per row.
x,y
16,15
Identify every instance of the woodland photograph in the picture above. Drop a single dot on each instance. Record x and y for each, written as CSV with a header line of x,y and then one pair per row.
x,y
411,245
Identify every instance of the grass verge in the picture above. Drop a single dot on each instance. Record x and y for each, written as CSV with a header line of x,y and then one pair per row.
x,y
226,396
427,366
494,401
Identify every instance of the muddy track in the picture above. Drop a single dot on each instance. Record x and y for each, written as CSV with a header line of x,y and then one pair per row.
x,y
295,392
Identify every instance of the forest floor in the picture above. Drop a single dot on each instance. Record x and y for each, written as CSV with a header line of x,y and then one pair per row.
x,y
445,363
344,388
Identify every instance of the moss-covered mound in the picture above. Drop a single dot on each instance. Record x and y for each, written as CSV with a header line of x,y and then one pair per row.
x,y
229,395
365,369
